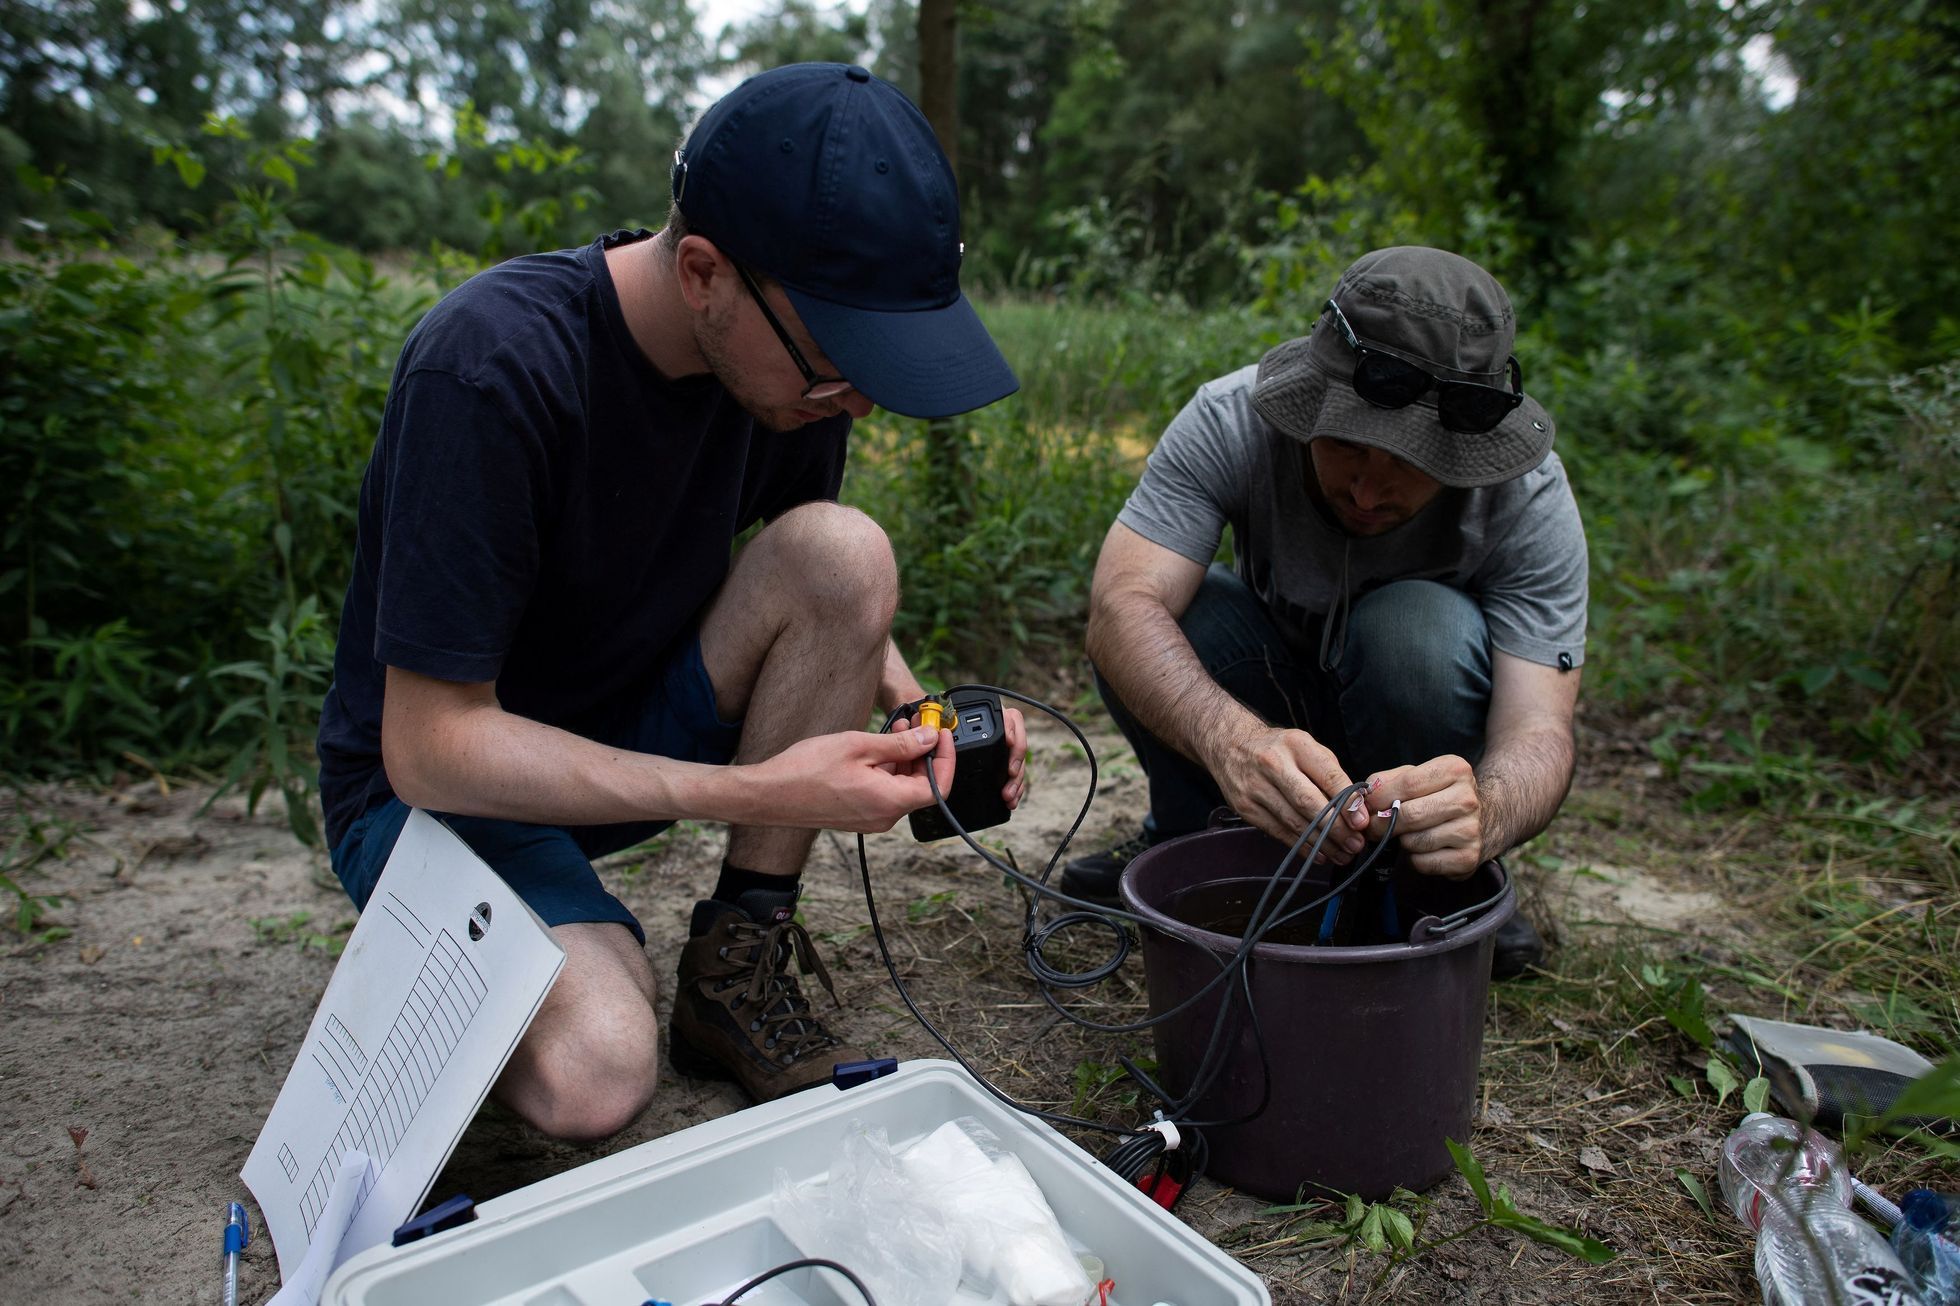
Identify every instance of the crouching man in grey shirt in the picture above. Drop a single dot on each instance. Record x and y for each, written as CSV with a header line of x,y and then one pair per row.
x,y
1408,601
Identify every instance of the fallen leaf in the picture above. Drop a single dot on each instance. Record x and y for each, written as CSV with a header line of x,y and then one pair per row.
x,y
1594,1158
1721,1079
83,1175
1696,1190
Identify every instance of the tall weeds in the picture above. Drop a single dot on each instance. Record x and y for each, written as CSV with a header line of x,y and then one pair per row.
x,y
1771,505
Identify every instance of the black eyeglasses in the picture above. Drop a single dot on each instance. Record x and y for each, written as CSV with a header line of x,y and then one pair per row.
x,y
1390,382
814,386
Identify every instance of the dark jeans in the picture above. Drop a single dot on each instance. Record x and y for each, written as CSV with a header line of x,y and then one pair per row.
x,y
1411,681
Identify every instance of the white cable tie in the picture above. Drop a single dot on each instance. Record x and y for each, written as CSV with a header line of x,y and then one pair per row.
x,y
1172,1139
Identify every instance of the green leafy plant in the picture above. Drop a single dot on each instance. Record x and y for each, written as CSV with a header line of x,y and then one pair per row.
x,y
931,906
529,189
1388,1227
33,839
1377,1226
1683,1003
1099,1083
1502,1213
1692,1185
297,929
97,700
281,705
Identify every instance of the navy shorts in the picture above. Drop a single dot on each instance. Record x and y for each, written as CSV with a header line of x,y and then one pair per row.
x,y
550,867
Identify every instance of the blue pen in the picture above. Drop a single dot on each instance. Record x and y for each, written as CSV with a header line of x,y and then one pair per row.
x,y
237,1234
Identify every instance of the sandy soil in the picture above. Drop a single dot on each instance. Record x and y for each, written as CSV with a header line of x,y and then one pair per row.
x,y
139,1054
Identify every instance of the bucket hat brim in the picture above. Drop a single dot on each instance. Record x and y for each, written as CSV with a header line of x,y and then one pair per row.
x,y
933,362
1297,394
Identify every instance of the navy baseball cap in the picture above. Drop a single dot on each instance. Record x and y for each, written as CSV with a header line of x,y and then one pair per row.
x,y
830,181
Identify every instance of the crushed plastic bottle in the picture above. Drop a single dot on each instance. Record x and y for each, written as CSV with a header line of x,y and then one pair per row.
x,y
1919,1239
1790,1185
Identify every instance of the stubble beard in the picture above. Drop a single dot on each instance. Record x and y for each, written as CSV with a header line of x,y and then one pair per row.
x,y
711,338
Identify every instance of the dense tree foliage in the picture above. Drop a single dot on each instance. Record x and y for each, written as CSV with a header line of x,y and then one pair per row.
x,y
1103,144
1728,223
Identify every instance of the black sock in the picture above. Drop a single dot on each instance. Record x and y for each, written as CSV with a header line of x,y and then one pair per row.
x,y
735,881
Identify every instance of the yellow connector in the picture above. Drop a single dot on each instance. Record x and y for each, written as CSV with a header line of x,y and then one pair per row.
x,y
937,713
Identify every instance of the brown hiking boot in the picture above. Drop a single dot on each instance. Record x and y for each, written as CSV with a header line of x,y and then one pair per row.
x,y
739,1012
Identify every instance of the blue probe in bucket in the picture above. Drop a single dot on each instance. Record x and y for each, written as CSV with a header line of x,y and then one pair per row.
x,y
1387,917
1328,916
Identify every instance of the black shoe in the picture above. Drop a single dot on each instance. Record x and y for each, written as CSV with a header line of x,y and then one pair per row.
x,y
1518,948
1095,877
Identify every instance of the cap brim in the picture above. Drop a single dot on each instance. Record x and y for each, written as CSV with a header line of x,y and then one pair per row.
x,y
925,363
1455,458
1297,395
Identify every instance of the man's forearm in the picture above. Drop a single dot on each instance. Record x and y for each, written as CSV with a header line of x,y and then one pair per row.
x,y
1138,647
488,762
1521,783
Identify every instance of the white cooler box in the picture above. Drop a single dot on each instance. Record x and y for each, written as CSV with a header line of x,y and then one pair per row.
x,y
686,1218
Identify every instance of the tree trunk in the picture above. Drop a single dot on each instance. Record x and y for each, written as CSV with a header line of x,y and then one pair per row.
x,y
939,100
939,73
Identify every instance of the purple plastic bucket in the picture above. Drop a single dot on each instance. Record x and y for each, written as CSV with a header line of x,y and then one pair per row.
x,y
1373,1050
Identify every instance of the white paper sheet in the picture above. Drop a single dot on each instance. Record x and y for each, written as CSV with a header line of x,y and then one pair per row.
x,y
303,1286
440,978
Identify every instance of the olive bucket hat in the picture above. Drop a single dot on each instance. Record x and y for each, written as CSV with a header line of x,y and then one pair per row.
x,y
1412,354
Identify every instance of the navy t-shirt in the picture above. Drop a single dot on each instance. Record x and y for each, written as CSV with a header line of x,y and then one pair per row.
x,y
544,510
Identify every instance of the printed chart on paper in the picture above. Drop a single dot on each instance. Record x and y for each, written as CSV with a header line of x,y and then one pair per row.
x,y
438,982
428,1028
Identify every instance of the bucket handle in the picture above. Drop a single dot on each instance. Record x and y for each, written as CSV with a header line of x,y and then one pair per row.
x,y
1438,927
1224,818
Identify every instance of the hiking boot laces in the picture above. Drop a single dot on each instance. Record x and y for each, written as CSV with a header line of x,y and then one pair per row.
x,y
782,1014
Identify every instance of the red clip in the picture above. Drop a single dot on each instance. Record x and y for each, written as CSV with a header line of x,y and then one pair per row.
x,y
1103,1290
1161,1189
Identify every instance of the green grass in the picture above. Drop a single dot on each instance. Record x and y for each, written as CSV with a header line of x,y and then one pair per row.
x,y
33,838
297,929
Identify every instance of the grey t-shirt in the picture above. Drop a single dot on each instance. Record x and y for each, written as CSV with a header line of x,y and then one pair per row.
x,y
1517,548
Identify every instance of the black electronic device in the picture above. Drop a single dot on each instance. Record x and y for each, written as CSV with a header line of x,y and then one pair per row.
x,y
979,769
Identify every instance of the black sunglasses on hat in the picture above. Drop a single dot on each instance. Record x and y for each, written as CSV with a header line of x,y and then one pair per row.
x,y
1390,382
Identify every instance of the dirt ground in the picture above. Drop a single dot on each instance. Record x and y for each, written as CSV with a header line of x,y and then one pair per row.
x,y
140,1054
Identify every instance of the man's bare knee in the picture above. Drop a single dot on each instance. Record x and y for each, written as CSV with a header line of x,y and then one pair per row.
x,y
590,1062
592,1092
834,558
